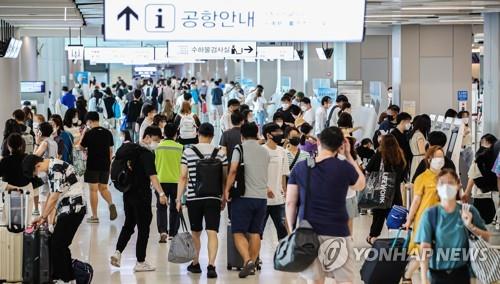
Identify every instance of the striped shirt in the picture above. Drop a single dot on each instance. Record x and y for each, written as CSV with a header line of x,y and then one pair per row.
x,y
189,158
303,155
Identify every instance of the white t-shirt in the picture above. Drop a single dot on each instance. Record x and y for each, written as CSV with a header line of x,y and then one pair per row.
x,y
309,116
278,167
320,120
147,122
258,105
335,115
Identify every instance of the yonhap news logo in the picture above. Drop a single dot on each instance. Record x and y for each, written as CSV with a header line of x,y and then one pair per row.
x,y
333,253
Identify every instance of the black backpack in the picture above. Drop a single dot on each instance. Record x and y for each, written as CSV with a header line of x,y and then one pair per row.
x,y
122,166
208,175
488,180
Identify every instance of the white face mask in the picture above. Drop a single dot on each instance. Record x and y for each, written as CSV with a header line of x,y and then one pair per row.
x,y
465,120
303,108
75,120
284,106
447,192
437,163
251,119
153,145
280,124
408,126
341,157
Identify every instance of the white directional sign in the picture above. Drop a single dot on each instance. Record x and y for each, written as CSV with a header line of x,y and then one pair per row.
x,y
212,50
222,20
276,52
125,55
75,52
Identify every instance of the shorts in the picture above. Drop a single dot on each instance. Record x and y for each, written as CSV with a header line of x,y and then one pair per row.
x,y
93,177
343,265
247,215
352,207
204,209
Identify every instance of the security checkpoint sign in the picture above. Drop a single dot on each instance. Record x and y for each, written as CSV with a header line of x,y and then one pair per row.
x,y
244,20
212,50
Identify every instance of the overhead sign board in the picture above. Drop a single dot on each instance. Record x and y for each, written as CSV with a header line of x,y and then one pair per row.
x,y
32,86
124,55
462,96
212,50
276,52
221,20
75,52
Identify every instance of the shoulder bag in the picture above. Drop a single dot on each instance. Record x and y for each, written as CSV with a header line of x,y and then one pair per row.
x,y
380,189
182,247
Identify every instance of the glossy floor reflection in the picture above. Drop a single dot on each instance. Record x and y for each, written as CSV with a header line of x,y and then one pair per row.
x,y
96,243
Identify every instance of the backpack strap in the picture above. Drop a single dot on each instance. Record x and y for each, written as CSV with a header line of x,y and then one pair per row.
x,y
327,123
240,149
214,153
295,159
310,165
433,220
197,152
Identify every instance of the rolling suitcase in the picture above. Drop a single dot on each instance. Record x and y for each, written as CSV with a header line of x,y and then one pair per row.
x,y
36,256
386,261
16,210
11,251
234,259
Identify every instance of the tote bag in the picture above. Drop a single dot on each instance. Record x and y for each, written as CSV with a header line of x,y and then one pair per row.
x,y
379,191
182,246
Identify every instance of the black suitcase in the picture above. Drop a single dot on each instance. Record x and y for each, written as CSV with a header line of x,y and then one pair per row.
x,y
234,259
36,252
388,270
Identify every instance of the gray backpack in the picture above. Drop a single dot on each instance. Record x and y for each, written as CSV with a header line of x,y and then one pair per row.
x,y
182,247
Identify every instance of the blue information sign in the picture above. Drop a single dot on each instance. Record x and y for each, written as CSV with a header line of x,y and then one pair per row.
x,y
462,96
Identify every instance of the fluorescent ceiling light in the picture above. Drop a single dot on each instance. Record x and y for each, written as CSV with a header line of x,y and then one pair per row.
x,y
461,21
399,16
382,22
441,8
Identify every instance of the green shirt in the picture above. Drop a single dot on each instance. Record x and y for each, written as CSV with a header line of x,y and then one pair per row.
x,y
168,161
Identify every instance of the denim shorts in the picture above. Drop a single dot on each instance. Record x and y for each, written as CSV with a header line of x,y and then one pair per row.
x,y
247,215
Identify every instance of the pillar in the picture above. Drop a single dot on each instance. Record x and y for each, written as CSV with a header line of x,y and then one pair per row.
x,y
306,68
339,61
28,59
396,64
10,95
491,104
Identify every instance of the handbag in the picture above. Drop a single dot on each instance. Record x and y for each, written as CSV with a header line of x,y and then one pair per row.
x,y
300,249
486,259
182,247
238,189
397,217
379,191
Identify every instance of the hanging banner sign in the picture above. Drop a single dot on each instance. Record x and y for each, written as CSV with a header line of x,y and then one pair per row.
x,y
221,20
124,55
75,52
212,50
276,52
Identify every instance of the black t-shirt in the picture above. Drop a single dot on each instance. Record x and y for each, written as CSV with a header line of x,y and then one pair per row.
x,y
98,141
10,170
229,139
287,114
143,170
133,111
108,103
404,144
374,166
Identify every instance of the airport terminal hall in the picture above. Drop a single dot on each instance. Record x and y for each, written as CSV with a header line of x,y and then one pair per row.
x,y
250,141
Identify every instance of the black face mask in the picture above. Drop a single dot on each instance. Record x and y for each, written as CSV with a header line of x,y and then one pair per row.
x,y
295,141
277,138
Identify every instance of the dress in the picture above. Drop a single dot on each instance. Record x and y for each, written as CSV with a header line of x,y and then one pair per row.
x,y
417,156
425,187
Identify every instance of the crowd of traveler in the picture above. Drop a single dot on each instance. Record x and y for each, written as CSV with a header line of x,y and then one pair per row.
x,y
170,127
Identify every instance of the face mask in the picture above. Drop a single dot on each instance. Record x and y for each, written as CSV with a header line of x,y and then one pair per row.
x,y
277,138
153,146
75,120
408,126
284,106
35,125
437,163
465,120
280,124
447,192
341,157
295,141
251,119
303,108
122,139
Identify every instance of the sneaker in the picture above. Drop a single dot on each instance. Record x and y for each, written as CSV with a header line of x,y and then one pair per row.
x,y
36,212
211,273
248,269
143,267
116,259
163,238
112,212
93,220
196,269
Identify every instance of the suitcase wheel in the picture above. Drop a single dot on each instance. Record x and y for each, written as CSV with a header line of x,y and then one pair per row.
x,y
229,267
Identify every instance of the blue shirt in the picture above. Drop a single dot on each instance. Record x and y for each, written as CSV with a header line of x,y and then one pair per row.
x,y
68,100
329,182
217,96
195,95
450,237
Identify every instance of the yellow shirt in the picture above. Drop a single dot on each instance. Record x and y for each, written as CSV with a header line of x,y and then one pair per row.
x,y
425,187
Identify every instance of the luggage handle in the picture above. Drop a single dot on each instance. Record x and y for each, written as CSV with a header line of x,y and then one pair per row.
x,y
407,238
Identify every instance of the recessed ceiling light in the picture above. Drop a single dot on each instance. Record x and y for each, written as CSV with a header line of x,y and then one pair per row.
x,y
399,16
442,8
461,20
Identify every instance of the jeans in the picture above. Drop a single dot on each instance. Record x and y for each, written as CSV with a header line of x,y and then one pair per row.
x,y
165,223
64,232
137,213
134,135
277,213
260,117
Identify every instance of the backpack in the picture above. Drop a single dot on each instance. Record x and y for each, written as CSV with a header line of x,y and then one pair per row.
x,y
187,127
82,271
488,180
122,166
29,140
67,153
208,174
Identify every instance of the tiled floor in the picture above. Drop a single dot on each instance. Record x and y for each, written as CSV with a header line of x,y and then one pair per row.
x,y
96,242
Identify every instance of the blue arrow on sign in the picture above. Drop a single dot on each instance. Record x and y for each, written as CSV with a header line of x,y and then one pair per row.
x,y
128,12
